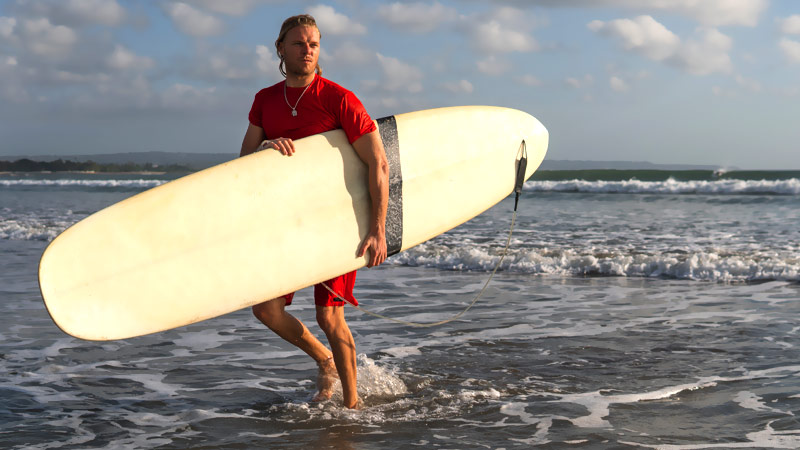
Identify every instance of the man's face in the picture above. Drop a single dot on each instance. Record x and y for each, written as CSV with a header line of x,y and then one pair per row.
x,y
300,50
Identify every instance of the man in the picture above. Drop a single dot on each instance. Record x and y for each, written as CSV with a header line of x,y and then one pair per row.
x,y
302,105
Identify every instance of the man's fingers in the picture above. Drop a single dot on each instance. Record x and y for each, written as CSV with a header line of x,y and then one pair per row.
x,y
362,250
287,147
373,260
283,145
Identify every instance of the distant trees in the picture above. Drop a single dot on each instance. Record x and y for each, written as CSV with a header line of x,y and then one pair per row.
x,y
59,165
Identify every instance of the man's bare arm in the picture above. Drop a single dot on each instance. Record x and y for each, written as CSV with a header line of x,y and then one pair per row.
x,y
252,139
370,149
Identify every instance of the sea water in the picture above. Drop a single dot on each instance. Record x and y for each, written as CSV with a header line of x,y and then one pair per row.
x,y
626,314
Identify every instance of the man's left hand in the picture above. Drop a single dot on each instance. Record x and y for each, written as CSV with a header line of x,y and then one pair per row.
x,y
376,244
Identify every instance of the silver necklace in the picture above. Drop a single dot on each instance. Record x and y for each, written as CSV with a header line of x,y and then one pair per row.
x,y
294,108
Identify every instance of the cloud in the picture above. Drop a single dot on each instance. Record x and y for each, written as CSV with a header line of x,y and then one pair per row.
x,y
495,37
623,80
185,97
646,36
493,65
228,7
11,90
713,13
790,49
459,87
789,25
416,17
618,84
106,95
503,30
705,56
73,13
348,54
103,12
720,92
399,76
579,83
748,83
529,80
123,59
331,22
267,62
7,25
65,76
222,68
233,65
45,39
192,21
642,34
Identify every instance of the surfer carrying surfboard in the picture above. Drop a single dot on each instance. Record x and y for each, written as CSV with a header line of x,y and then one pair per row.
x,y
303,105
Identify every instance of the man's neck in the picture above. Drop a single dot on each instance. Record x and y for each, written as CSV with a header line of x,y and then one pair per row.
x,y
299,81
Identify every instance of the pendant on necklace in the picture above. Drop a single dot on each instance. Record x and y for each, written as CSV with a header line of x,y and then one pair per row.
x,y
294,113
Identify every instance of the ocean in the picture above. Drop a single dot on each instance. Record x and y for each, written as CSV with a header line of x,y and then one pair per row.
x,y
633,310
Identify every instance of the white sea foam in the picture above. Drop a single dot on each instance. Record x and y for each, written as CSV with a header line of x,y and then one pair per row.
x,y
767,438
750,400
109,183
375,382
691,265
670,186
598,404
33,228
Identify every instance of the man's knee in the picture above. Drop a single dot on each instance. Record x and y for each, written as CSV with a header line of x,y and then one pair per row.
x,y
268,311
329,318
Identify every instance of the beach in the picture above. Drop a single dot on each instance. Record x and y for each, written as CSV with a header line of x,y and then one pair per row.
x,y
626,314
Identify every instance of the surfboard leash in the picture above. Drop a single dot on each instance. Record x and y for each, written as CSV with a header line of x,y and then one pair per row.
x,y
518,184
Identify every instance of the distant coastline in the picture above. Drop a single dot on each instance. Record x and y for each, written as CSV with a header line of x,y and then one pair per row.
x,y
156,161
25,165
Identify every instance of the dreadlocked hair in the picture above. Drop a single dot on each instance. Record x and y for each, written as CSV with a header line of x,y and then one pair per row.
x,y
288,24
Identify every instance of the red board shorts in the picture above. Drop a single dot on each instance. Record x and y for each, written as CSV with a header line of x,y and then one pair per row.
x,y
342,285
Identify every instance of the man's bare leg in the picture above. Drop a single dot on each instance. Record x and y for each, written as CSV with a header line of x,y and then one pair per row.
x,y
272,313
331,320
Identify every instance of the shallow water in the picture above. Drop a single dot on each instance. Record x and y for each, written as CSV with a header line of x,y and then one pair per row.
x,y
548,358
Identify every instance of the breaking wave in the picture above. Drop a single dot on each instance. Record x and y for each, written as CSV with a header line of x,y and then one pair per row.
x,y
671,186
710,265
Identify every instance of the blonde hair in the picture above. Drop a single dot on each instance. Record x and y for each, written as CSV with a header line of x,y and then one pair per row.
x,y
288,24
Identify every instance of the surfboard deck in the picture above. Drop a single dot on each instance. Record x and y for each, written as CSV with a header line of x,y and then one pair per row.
x,y
264,225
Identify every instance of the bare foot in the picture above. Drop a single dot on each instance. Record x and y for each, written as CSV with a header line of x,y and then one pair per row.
x,y
359,404
327,377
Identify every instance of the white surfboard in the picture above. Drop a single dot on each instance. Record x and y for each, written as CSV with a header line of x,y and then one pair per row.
x,y
261,226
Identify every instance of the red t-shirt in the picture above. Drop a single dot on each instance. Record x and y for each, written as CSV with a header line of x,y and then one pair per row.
x,y
324,107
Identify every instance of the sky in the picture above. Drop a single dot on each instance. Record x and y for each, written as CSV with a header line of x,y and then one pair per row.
x,y
712,82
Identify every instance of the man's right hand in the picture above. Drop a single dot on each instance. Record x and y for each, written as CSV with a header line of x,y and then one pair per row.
x,y
283,145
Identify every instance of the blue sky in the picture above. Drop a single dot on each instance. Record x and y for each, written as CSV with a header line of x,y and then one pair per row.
x,y
667,81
